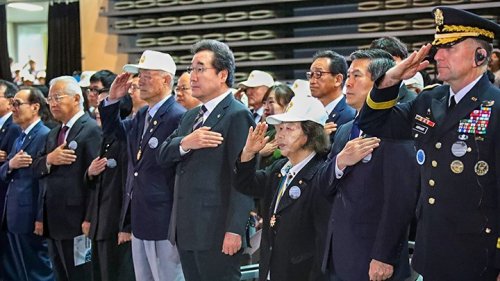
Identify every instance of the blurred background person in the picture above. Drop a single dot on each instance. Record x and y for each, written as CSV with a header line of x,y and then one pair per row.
x,y
183,93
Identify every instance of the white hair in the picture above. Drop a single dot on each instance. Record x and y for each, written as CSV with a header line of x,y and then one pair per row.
x,y
71,87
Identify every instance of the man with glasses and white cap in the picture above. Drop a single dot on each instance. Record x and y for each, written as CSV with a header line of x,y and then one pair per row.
x,y
149,187
256,86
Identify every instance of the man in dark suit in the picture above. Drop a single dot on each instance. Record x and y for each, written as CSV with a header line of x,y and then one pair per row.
x,y
455,128
149,187
8,133
69,150
326,78
27,255
106,178
209,217
399,52
374,190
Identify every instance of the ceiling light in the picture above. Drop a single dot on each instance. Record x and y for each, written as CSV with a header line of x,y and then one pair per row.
x,y
26,7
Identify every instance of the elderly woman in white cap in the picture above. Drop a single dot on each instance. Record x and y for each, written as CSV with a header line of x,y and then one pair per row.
x,y
296,214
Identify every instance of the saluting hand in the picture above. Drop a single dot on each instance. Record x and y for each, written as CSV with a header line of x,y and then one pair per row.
x,y
20,160
231,244
355,150
330,127
120,86
97,166
201,138
256,141
380,271
269,148
61,156
406,68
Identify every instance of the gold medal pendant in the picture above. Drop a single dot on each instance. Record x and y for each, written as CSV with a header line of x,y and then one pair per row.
x,y
272,222
139,153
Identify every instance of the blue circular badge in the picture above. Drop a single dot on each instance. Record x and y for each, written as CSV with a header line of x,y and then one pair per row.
x,y
420,157
294,192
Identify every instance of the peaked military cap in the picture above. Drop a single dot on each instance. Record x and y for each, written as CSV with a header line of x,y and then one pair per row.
x,y
454,25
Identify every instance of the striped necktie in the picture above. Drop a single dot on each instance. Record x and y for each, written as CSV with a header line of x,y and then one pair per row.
x,y
198,122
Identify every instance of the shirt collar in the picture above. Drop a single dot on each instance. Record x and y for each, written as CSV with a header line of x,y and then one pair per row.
x,y
294,170
152,111
73,119
460,94
30,127
4,118
211,104
329,107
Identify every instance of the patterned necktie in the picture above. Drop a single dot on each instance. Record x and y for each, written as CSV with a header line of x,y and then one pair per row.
x,y
198,122
62,135
146,123
20,141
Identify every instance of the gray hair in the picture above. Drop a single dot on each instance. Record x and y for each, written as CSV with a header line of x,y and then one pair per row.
x,y
71,87
380,61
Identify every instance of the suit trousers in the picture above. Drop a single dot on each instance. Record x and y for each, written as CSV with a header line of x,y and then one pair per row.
x,y
156,260
27,258
112,262
63,261
210,265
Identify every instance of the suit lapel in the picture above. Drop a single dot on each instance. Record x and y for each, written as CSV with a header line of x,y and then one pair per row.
x,y
342,137
76,128
337,110
218,112
30,136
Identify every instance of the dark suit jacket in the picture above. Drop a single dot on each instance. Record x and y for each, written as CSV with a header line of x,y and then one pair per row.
x,y
208,206
22,195
149,187
373,204
65,196
291,249
8,134
341,114
107,191
458,210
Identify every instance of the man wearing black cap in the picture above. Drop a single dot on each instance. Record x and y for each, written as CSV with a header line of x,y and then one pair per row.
x,y
456,131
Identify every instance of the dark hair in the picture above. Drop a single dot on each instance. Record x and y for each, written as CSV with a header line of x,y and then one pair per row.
x,y
282,93
10,88
36,96
338,64
392,45
380,61
317,139
223,57
106,77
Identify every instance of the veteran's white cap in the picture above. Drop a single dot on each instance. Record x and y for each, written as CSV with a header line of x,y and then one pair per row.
x,y
301,108
153,60
301,88
85,78
258,78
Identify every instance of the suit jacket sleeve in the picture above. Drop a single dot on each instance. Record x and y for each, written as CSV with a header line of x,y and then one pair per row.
x,y
239,204
169,152
251,182
111,121
381,117
400,187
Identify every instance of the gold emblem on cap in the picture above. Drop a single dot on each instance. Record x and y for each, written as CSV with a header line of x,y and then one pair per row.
x,y
290,105
143,58
481,168
438,17
457,166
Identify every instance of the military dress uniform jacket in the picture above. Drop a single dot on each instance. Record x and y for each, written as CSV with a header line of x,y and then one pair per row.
x,y
458,212
107,191
291,249
149,187
207,205
373,204
65,197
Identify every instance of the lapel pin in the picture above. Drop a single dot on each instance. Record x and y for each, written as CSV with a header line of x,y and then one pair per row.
x,y
73,145
294,192
155,122
218,115
473,98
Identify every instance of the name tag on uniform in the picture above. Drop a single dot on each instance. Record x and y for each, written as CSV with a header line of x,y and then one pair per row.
x,y
420,128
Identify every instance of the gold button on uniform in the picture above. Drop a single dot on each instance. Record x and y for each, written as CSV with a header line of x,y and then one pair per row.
x,y
432,183
136,174
438,145
432,201
434,163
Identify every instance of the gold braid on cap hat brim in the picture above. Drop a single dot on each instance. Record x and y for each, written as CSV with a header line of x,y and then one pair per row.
x,y
463,31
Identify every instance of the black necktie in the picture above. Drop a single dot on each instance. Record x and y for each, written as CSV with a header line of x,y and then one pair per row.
x,y
355,131
452,103
20,141
198,121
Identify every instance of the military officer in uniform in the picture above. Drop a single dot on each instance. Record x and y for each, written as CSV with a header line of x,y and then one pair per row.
x,y
456,133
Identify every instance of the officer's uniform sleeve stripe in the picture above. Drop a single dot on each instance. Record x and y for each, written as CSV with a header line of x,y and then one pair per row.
x,y
380,105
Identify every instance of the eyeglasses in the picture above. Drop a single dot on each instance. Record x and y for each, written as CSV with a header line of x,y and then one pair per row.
x,y
97,91
182,89
56,98
315,74
198,69
17,103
